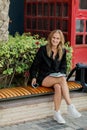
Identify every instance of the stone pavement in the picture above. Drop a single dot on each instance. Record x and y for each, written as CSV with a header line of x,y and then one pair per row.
x,y
50,124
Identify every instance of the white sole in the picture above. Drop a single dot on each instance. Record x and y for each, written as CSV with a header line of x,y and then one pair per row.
x,y
59,122
74,116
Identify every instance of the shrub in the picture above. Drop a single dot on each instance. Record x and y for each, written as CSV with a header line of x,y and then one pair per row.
x,y
69,51
16,57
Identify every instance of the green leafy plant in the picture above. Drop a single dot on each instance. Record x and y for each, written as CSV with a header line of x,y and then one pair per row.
x,y
69,51
17,55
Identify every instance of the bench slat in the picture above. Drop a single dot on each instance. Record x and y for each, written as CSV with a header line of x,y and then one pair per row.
x,y
28,91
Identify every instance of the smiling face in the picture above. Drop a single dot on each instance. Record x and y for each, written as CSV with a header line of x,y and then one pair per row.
x,y
55,40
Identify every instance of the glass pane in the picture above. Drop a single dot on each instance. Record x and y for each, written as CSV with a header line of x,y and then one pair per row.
x,y
28,23
86,39
46,9
65,26
52,24
32,0
65,9
33,9
45,24
46,35
79,25
40,9
57,24
52,6
86,25
28,9
34,32
79,39
65,36
83,4
34,21
58,9
40,24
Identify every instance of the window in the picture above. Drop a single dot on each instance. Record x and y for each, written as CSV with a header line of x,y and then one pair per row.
x,y
64,25
43,16
33,8
81,31
79,25
52,9
86,25
65,9
58,9
79,39
46,9
40,9
28,9
86,39
34,23
28,23
83,4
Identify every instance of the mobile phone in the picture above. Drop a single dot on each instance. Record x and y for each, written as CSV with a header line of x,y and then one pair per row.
x,y
35,85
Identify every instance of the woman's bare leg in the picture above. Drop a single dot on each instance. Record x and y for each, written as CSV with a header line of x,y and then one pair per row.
x,y
62,82
57,96
65,90
57,100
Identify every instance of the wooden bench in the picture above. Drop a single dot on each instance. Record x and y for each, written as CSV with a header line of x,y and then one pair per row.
x,y
28,91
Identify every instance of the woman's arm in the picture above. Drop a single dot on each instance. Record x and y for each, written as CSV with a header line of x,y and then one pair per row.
x,y
35,65
63,64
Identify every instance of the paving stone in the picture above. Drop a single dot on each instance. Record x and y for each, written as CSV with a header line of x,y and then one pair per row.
x,y
68,128
50,124
80,129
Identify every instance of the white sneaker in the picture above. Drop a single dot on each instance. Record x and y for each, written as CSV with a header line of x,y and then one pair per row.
x,y
58,117
73,112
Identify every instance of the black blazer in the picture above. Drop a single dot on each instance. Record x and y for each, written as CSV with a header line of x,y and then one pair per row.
x,y
44,65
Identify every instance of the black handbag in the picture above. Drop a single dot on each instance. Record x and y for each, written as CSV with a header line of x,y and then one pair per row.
x,y
80,75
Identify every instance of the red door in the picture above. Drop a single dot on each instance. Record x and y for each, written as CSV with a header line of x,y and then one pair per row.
x,y
79,31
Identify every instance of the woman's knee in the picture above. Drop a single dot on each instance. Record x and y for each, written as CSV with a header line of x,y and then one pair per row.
x,y
62,80
57,88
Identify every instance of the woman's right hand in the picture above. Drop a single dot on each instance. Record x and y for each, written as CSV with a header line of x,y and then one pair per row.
x,y
33,81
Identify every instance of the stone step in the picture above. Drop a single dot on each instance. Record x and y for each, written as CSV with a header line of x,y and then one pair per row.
x,y
22,110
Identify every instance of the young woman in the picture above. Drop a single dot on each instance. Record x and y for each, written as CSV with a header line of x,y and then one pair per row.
x,y
50,60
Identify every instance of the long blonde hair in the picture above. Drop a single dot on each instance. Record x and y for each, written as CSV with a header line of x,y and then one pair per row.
x,y
60,46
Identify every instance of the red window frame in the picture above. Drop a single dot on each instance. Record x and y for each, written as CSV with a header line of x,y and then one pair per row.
x,y
81,14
